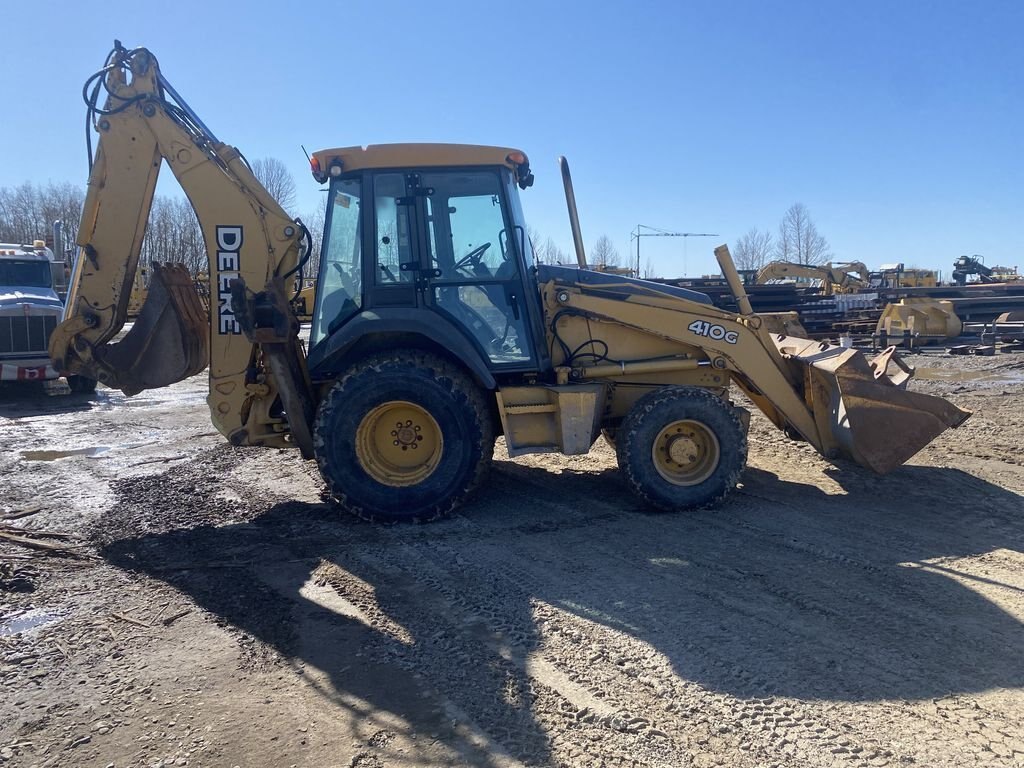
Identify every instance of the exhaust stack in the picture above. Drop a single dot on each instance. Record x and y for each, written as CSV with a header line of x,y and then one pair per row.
x,y
574,217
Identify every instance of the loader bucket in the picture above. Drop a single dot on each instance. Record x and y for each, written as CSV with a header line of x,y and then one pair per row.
x,y
170,339
862,410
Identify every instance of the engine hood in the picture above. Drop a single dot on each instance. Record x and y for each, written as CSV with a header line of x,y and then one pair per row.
x,y
14,295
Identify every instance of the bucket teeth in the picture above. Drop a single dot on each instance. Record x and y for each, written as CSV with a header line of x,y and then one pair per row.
x,y
862,408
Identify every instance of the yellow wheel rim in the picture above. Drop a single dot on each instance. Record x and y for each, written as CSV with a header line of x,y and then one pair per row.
x,y
686,452
399,443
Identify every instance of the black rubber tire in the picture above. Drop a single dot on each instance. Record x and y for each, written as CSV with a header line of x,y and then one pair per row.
x,y
81,385
451,397
655,410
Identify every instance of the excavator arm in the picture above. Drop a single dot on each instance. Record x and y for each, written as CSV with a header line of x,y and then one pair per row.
x,y
833,277
259,387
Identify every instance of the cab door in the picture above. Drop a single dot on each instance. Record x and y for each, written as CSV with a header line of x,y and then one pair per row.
x,y
473,268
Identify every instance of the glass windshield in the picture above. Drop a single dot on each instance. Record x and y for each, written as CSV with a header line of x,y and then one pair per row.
x,y
339,290
35,274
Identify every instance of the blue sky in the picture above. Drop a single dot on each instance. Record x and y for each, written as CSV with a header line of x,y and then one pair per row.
x,y
896,123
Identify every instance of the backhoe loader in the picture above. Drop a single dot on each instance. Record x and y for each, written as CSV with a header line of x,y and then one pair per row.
x,y
435,330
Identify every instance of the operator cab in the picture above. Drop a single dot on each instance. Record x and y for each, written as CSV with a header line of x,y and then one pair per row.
x,y
430,239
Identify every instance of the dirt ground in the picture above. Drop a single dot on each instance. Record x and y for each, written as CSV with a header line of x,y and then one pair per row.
x,y
223,615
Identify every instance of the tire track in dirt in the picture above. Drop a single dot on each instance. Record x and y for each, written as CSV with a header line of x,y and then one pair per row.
x,y
448,555
630,651
524,539
561,632
901,600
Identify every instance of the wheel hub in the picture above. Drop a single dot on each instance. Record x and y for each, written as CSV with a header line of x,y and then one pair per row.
x,y
682,450
399,443
686,452
406,435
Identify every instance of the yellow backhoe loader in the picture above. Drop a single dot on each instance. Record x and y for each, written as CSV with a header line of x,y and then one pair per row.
x,y
834,278
434,330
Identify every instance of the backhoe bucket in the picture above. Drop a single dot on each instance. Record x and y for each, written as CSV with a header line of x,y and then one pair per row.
x,y
170,339
863,411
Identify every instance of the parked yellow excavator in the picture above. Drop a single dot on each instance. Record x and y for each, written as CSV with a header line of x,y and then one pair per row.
x,y
434,329
832,278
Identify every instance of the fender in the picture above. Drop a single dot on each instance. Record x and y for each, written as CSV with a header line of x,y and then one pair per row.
x,y
326,358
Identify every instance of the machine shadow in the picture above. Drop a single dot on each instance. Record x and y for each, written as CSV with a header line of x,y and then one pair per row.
x,y
20,400
785,590
855,596
326,595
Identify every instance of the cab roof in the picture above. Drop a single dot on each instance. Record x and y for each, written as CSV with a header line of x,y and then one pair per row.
x,y
415,156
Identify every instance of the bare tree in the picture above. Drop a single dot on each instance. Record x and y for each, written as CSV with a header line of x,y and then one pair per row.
x,y
604,253
534,236
799,240
173,235
315,224
274,175
648,271
754,249
27,212
548,252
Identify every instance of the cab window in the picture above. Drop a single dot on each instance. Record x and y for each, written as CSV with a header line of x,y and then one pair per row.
x,y
393,243
340,283
467,234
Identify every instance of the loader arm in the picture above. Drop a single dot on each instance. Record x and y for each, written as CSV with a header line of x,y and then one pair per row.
x,y
255,361
834,398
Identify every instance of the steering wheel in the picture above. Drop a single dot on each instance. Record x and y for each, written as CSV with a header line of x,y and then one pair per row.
x,y
473,257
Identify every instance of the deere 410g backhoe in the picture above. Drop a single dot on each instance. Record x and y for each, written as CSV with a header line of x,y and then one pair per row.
x,y
434,330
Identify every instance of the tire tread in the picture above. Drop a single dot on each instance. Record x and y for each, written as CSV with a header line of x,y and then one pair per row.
x,y
453,378
639,476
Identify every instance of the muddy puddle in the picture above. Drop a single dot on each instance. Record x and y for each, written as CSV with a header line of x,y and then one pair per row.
x,y
27,621
93,452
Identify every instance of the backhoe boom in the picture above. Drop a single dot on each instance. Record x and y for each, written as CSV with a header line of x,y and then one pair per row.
x,y
250,240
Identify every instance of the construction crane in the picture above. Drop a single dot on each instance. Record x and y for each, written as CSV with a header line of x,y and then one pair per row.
x,y
636,234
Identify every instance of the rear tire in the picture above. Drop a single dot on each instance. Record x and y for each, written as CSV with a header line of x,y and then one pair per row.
x,y
81,385
681,447
403,436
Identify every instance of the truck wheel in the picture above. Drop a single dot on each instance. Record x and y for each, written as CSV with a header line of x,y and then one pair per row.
x,y
81,385
681,447
403,436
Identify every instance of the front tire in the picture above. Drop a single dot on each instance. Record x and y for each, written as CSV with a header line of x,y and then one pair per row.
x,y
81,385
682,447
403,436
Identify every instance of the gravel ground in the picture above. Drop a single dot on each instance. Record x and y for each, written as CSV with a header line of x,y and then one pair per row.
x,y
218,613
